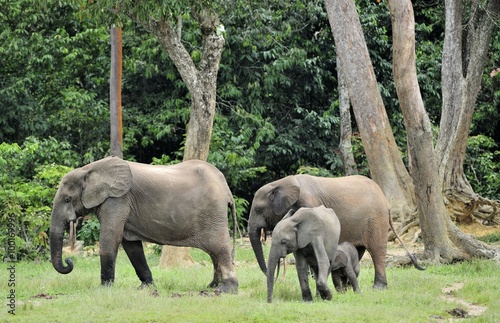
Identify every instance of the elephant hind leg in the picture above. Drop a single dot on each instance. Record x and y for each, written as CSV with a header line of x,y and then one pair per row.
x,y
224,279
361,251
217,274
378,257
135,253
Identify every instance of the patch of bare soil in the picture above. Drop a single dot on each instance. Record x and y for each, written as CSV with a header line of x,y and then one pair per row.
x,y
466,309
203,293
33,299
479,230
396,255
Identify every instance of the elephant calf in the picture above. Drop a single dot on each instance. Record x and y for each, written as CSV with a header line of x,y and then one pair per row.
x,y
312,234
345,267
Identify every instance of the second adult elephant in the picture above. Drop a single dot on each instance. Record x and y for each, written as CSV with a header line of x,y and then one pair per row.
x,y
181,205
358,201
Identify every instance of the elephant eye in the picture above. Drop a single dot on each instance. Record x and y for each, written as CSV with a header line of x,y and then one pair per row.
x,y
67,199
258,210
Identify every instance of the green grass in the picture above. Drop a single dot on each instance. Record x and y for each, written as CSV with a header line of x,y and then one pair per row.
x,y
412,296
490,237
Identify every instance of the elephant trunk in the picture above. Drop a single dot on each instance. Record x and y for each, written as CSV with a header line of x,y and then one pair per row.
x,y
254,236
56,244
274,262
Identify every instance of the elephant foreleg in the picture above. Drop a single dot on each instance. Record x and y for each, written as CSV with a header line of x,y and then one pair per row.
x,y
110,236
351,275
135,253
323,269
337,281
303,272
107,269
108,251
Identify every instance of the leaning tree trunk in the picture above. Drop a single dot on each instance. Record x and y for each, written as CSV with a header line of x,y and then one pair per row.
x,y
464,57
201,82
384,158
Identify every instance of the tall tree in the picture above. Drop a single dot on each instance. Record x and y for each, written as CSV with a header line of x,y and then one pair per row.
x,y
423,161
438,230
384,157
198,67
465,54
115,93
201,82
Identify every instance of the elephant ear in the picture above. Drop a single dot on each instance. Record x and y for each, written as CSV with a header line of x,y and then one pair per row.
x,y
341,259
308,226
284,195
108,177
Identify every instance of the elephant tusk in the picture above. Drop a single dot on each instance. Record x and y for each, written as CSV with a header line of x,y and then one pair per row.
x,y
72,235
278,271
284,271
263,235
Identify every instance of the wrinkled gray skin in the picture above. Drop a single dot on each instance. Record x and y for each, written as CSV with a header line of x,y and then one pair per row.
x,y
345,268
180,205
312,234
358,201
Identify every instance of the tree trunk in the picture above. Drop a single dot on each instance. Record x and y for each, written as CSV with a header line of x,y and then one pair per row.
x,y
423,163
384,157
115,93
201,83
437,228
345,145
464,57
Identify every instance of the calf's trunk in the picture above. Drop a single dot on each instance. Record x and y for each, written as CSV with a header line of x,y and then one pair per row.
x,y
272,264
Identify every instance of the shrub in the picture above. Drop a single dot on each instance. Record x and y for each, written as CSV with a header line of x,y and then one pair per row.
x,y
29,181
89,232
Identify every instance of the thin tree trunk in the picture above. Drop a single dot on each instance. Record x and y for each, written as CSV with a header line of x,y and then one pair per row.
x,y
115,93
384,157
345,145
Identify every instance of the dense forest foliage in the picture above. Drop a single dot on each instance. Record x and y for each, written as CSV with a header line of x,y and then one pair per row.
x,y
277,100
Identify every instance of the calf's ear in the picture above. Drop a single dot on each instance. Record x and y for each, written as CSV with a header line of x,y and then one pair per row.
x,y
308,227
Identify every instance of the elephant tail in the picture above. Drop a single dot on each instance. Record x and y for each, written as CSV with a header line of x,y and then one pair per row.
x,y
232,206
411,256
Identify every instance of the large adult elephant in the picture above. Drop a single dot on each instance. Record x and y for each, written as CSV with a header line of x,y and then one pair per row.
x,y
358,201
180,205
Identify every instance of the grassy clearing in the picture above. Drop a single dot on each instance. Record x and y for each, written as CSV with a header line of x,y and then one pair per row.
x,y
43,295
